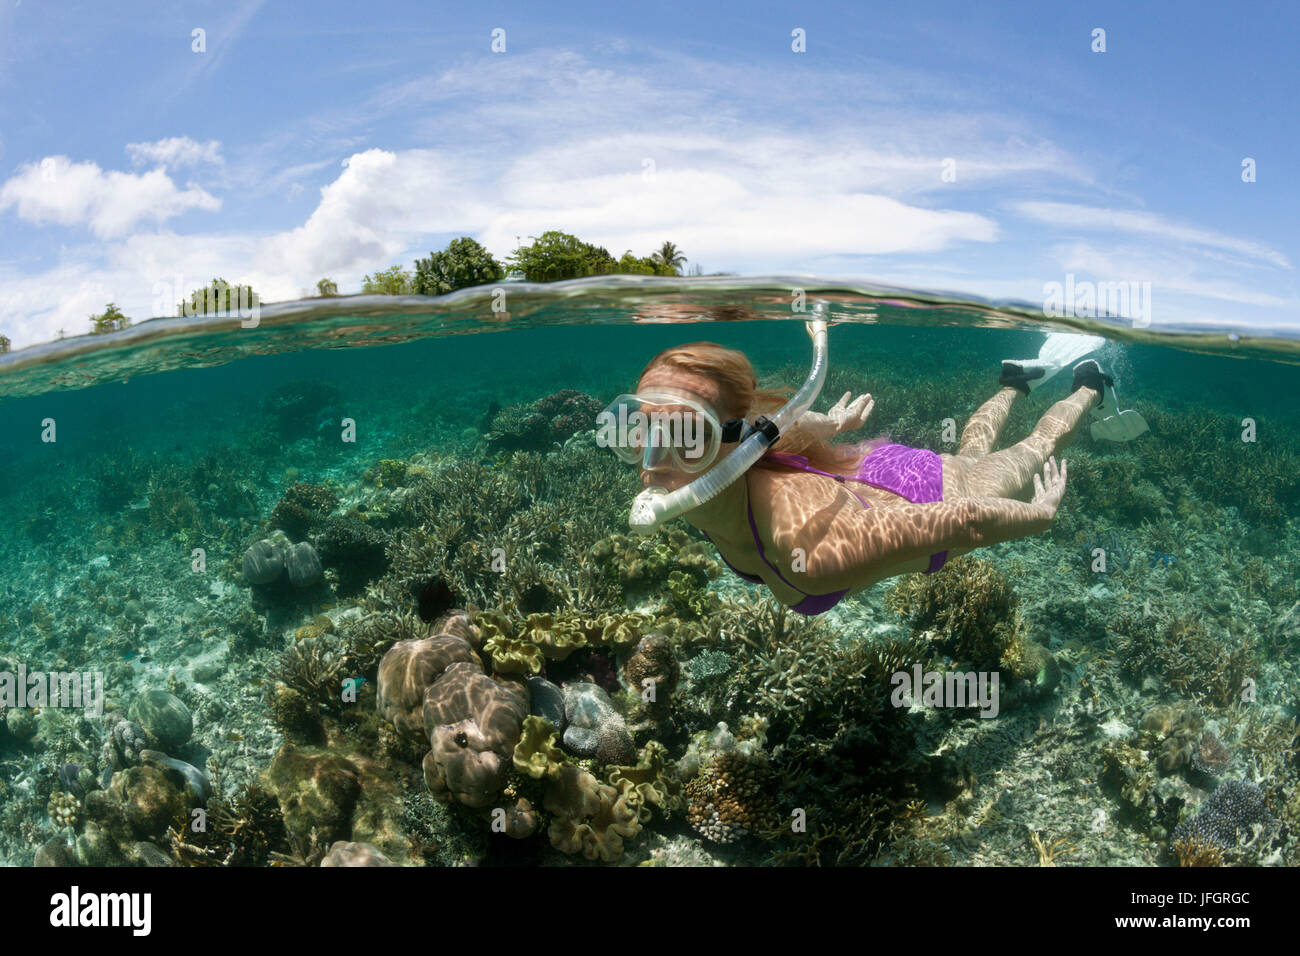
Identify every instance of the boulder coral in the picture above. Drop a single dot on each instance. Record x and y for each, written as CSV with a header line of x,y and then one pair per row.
x,y
408,669
435,688
474,724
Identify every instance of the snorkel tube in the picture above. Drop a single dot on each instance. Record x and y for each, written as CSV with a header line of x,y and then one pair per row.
x,y
654,506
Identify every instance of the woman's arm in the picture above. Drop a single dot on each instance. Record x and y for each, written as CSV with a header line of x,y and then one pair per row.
x,y
851,547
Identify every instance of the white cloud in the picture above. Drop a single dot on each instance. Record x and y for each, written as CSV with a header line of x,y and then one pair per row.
x,y
57,190
176,151
1074,216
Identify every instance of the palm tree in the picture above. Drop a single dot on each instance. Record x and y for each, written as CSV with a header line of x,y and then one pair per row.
x,y
669,256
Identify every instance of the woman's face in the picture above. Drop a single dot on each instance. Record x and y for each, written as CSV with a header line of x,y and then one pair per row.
x,y
664,473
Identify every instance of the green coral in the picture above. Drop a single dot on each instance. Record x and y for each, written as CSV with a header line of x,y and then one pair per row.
x,y
390,473
523,647
651,782
536,753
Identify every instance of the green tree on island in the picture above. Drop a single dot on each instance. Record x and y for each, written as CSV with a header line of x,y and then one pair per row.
x,y
557,255
670,258
112,320
327,287
392,281
462,264
218,297
4,344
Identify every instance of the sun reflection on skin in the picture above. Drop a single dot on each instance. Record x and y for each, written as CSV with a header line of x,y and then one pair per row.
x,y
988,497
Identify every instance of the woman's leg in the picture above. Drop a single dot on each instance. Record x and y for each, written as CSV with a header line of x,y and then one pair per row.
x,y
982,431
1007,473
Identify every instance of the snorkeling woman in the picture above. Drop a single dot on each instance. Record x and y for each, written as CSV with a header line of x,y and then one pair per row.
x,y
816,521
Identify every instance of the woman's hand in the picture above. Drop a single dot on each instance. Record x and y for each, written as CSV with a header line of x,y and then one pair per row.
x,y
844,416
1049,487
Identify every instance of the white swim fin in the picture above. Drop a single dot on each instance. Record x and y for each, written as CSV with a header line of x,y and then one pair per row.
x,y
1108,421
1060,350
1119,426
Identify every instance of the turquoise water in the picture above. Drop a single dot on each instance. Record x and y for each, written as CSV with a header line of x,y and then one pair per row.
x,y
1132,693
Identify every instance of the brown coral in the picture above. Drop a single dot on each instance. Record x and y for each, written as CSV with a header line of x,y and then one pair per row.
x,y
590,817
408,669
652,664
729,798
474,723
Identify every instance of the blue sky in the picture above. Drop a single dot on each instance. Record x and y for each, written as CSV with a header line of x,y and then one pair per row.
x,y
335,139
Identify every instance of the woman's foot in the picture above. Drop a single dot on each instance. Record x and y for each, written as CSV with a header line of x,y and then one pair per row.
x,y
1109,423
1088,374
1057,352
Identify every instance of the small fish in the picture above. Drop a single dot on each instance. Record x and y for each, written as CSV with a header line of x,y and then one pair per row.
x,y
255,682
234,736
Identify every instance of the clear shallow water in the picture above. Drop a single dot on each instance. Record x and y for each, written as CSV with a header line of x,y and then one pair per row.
x,y
176,435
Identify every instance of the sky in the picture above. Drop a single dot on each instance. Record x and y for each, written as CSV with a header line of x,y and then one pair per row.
x,y
989,149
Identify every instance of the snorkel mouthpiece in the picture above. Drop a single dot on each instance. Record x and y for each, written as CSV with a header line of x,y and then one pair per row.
x,y
654,506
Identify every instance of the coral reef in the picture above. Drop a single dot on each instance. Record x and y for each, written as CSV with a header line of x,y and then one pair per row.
x,y
539,425
1181,650
163,717
971,610
474,723
589,817
302,509
1234,809
595,727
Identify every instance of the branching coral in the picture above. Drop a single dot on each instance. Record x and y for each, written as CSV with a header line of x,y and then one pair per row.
x,y
971,606
1183,652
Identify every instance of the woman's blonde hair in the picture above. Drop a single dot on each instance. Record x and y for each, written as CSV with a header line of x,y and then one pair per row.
x,y
741,397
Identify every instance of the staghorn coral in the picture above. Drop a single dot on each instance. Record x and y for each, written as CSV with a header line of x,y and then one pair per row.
x,y
313,667
589,817
1182,651
791,667
971,607
671,561
540,425
516,534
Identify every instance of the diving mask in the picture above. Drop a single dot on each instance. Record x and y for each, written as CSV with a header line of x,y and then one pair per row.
x,y
665,424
